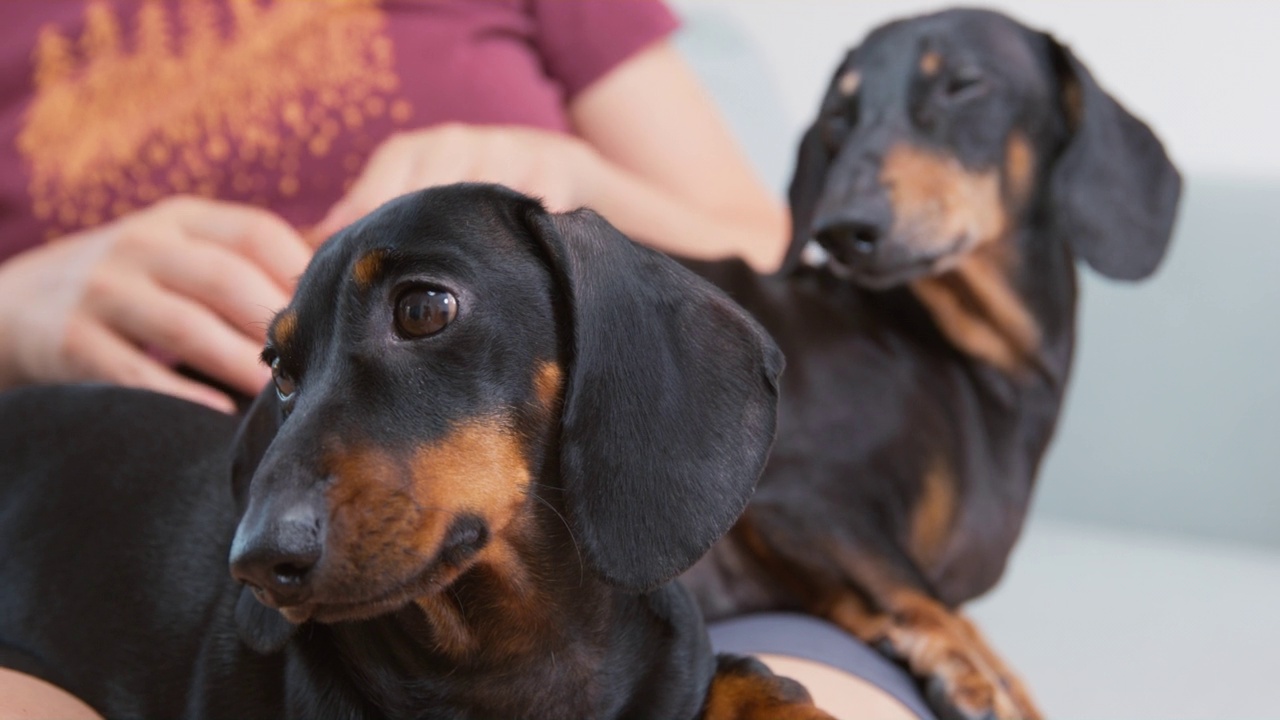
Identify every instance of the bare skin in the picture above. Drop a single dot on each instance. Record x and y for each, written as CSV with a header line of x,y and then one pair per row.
x,y
186,278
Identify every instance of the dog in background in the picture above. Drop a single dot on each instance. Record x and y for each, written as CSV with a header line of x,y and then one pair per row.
x,y
495,435
959,167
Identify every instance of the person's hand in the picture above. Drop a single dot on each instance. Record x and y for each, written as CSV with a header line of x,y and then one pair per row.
x,y
550,165
188,279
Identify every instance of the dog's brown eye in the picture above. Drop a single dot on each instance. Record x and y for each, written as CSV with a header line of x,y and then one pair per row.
x,y
285,385
421,312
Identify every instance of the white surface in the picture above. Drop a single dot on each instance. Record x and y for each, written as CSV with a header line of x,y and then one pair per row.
x,y
1108,624
1202,71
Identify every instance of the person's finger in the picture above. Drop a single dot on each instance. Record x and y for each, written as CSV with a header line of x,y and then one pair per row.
x,y
259,235
152,316
233,287
95,352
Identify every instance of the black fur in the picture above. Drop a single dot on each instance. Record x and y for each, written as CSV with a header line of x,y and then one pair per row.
x,y
117,514
878,397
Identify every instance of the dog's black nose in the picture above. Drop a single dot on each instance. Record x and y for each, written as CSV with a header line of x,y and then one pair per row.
x,y
849,238
276,557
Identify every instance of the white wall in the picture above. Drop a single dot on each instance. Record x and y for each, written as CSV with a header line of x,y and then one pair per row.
x,y
1204,73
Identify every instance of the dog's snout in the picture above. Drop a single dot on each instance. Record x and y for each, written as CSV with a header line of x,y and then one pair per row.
x,y
277,557
848,238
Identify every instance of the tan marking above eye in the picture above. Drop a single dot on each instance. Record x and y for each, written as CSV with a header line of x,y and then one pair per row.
x,y
284,327
367,268
848,83
930,63
548,384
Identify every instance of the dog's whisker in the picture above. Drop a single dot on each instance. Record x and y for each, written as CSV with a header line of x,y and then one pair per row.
x,y
577,550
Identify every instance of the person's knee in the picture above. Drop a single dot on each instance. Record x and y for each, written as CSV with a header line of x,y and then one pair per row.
x,y
846,696
24,697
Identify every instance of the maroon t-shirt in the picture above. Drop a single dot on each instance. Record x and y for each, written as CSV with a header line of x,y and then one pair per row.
x,y
108,105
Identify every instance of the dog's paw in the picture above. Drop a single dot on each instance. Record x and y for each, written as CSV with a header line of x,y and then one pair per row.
x,y
746,689
963,678
960,691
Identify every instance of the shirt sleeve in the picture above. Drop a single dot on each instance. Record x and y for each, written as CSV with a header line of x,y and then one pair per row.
x,y
582,40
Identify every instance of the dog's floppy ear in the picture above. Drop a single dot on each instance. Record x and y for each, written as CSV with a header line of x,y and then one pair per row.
x,y
257,429
1114,191
670,402
813,160
807,181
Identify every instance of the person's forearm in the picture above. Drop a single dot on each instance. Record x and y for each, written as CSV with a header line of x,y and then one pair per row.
x,y
667,223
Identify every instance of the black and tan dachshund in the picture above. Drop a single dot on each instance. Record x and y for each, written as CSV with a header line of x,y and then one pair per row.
x,y
960,165
495,434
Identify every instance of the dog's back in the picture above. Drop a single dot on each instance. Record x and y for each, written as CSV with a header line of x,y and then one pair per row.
x,y
75,539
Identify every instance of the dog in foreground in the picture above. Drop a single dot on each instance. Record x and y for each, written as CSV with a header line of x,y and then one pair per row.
x,y
959,167
495,434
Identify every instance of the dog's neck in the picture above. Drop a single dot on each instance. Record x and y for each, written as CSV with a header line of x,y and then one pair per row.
x,y
524,632
1008,305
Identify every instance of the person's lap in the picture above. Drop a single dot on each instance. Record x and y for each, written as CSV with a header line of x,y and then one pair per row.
x,y
845,677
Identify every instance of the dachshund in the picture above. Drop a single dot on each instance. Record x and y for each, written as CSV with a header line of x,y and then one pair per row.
x,y
494,437
959,167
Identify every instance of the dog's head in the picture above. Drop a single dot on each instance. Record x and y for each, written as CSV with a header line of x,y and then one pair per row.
x,y
460,358
942,134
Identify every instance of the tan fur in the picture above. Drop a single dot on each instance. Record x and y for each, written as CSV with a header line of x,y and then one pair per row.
x,y
548,385
516,618
478,468
735,696
939,207
977,309
1019,170
368,267
389,513
932,516
448,627
935,643
930,63
849,82
282,330
960,216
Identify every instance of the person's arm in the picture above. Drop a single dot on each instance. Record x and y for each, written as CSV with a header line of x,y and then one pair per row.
x,y
653,157
672,174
